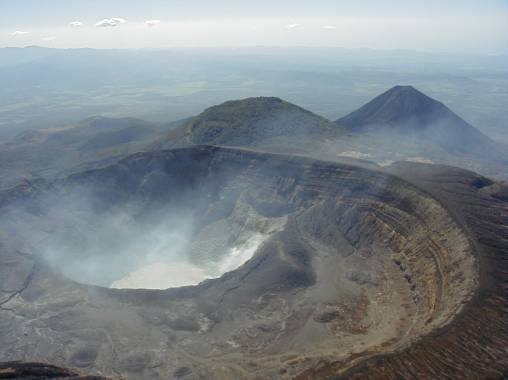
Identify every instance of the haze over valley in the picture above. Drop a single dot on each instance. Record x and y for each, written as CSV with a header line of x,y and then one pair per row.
x,y
52,88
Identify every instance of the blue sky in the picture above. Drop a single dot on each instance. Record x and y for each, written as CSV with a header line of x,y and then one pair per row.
x,y
431,25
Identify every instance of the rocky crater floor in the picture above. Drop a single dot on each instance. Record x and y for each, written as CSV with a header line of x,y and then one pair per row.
x,y
349,272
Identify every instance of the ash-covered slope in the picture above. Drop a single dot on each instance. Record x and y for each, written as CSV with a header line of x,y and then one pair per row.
x,y
358,263
90,134
403,111
262,121
97,140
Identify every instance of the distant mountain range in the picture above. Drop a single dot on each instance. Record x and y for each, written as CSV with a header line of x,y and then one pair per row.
x,y
401,124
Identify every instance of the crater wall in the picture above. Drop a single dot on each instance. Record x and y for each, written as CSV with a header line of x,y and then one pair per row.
x,y
357,262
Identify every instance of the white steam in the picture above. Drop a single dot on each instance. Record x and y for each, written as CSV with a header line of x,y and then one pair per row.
x,y
162,275
125,246
238,255
169,274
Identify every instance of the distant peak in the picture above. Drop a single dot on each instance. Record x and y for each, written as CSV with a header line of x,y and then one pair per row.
x,y
260,105
397,105
256,100
406,91
401,87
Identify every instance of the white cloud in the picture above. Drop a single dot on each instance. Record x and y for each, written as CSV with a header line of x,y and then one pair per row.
x,y
119,20
113,21
105,22
75,24
49,38
329,27
292,26
18,33
151,23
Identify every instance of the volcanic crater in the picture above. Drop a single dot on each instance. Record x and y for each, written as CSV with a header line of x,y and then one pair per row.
x,y
342,262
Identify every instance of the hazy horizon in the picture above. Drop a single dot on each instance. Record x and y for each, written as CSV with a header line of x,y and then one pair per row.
x,y
455,27
254,47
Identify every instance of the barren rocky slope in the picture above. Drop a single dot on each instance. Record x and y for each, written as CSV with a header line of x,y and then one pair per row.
x,y
474,345
357,264
93,141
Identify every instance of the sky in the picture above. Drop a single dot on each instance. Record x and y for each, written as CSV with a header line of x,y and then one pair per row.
x,y
457,26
